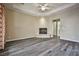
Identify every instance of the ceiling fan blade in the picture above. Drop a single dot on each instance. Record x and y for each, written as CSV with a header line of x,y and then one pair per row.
x,y
46,4
48,8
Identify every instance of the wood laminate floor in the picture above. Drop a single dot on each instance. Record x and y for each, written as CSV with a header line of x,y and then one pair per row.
x,y
41,47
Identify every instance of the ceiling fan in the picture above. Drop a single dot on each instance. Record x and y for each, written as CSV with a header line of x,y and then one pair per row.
x,y
43,7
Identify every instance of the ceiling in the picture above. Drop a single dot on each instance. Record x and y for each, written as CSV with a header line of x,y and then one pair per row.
x,y
33,8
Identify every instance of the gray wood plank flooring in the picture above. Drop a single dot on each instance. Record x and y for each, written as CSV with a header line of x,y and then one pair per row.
x,y
41,47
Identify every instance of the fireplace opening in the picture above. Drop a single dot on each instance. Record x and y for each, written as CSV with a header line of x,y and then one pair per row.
x,y
42,30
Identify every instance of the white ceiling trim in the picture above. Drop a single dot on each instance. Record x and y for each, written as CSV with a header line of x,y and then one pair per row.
x,y
61,8
27,11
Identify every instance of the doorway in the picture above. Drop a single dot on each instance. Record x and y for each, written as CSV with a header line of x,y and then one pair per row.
x,y
56,28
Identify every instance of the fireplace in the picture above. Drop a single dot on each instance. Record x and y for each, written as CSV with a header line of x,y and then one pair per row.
x,y
42,30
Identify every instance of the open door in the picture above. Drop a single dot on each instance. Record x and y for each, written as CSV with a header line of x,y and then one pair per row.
x,y
2,27
56,28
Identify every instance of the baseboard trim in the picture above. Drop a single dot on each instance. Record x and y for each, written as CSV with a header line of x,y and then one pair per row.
x,y
26,38
44,37
18,39
70,40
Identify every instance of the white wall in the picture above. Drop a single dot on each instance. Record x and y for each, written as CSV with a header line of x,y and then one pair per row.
x,y
44,22
69,29
19,26
22,25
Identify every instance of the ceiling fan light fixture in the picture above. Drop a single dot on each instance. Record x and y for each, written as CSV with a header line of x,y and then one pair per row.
x,y
43,8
